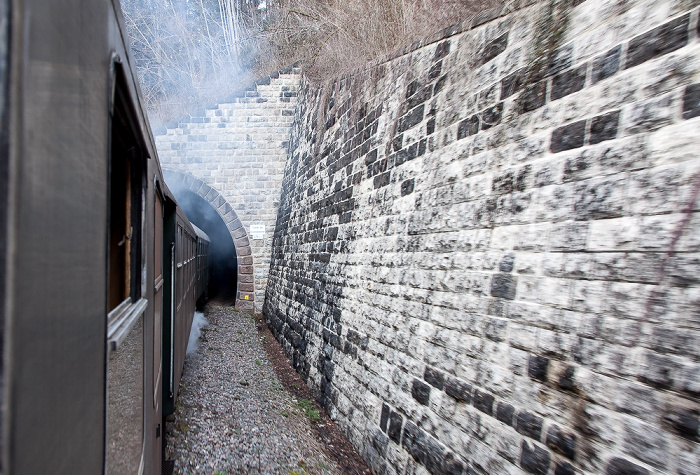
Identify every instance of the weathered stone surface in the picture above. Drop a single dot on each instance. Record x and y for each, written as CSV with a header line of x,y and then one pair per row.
x,y
394,428
434,378
420,391
568,137
384,419
561,442
493,49
604,127
691,101
620,466
483,402
412,118
529,424
606,65
534,459
568,82
661,40
492,261
534,96
504,286
459,390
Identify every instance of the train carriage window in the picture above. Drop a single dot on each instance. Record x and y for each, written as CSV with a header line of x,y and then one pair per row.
x,y
126,309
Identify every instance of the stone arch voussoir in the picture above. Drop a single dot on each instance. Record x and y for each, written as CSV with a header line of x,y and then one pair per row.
x,y
245,286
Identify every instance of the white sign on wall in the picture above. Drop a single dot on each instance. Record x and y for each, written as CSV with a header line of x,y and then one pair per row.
x,y
257,231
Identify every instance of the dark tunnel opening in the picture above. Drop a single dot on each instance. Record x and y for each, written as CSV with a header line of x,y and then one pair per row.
x,y
223,264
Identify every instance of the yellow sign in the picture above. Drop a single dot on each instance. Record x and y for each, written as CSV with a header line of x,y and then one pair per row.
x,y
245,297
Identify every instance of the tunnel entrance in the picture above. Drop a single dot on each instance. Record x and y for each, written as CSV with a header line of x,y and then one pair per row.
x,y
223,263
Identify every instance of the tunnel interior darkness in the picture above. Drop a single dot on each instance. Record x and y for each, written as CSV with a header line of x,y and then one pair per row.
x,y
223,264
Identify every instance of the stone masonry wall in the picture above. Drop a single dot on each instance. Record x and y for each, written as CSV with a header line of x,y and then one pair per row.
x,y
480,276
232,154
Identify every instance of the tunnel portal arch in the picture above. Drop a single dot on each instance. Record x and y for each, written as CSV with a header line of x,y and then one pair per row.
x,y
245,295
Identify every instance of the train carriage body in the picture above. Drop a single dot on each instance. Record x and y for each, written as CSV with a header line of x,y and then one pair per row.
x,y
91,335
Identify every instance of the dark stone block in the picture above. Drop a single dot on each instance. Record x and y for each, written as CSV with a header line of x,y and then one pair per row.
x,y
457,389
568,82
440,85
537,367
568,137
397,143
420,391
504,413
492,116
564,468
422,146
413,441
529,424
566,379
412,118
561,442
507,263
423,448
691,101
395,424
659,41
384,419
442,50
430,127
533,97
604,127
434,377
534,459
512,84
684,422
407,187
468,127
451,465
620,466
483,402
371,157
382,180
435,70
493,49
503,286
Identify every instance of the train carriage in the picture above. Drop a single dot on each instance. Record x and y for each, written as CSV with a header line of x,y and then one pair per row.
x,y
98,265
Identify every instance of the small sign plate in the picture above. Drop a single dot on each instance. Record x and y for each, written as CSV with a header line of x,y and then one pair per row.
x,y
257,231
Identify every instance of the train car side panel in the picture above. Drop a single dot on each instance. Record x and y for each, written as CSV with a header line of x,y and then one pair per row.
x,y
56,296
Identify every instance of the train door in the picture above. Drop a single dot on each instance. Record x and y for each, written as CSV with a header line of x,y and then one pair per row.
x,y
168,253
158,292
127,303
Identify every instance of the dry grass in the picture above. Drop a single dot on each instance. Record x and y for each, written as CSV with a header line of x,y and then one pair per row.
x,y
189,54
333,36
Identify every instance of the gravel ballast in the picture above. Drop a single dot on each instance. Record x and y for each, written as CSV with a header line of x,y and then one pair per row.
x,y
233,414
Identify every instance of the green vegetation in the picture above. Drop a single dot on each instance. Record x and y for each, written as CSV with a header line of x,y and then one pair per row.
x,y
310,410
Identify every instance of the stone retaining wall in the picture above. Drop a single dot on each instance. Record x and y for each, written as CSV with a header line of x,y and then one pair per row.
x,y
487,268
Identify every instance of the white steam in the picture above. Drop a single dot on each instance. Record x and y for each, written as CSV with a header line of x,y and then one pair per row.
x,y
198,322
